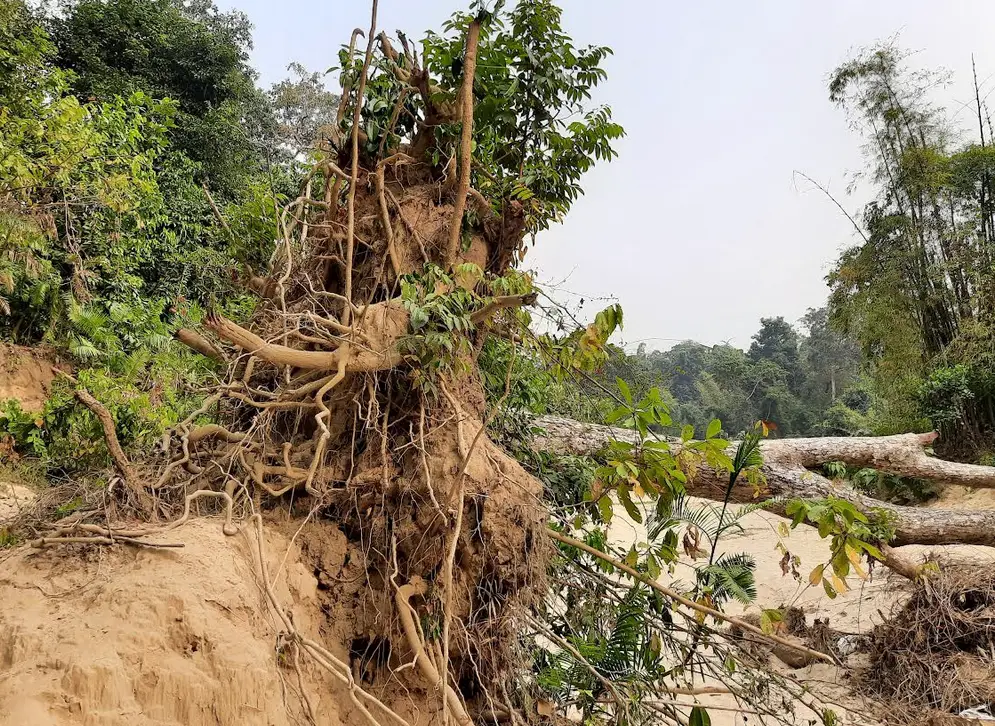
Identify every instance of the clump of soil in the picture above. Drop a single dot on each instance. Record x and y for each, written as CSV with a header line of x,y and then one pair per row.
x,y
26,375
936,652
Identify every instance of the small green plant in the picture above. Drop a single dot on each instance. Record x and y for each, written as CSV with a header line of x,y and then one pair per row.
x,y
852,537
8,539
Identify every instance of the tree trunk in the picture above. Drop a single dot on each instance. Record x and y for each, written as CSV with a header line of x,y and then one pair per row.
x,y
787,475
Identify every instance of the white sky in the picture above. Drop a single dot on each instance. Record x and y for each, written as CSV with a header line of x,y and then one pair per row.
x,y
698,228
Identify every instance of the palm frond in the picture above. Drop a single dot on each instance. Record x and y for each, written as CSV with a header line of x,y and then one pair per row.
x,y
704,516
731,576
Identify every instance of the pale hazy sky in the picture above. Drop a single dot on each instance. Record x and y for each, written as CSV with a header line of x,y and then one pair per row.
x,y
698,228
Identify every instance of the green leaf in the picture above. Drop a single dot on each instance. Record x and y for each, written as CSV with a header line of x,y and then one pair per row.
x,y
699,717
871,550
606,508
687,433
826,523
632,557
630,507
653,566
714,429
624,388
841,565
830,591
617,414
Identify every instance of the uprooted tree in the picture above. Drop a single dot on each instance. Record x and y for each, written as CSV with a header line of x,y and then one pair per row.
x,y
355,394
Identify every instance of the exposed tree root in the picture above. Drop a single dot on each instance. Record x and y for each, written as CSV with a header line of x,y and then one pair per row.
x,y
466,139
199,343
407,613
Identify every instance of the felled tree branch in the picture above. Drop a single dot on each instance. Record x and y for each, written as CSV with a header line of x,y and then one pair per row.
x,y
786,476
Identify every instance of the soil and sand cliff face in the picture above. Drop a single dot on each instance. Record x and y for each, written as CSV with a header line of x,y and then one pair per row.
x,y
172,637
26,375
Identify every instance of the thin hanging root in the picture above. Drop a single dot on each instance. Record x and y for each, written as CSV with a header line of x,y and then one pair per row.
x,y
424,460
447,574
385,219
339,669
406,611
354,171
167,473
319,418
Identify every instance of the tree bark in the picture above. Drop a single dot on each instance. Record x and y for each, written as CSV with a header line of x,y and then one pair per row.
x,y
787,476
199,343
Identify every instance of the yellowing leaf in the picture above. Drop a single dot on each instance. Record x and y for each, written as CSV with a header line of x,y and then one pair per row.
x,y
861,572
816,575
852,555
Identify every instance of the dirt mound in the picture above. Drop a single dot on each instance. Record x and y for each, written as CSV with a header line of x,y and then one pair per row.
x,y
137,637
26,374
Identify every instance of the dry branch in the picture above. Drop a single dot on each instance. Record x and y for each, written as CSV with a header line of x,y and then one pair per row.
x,y
196,341
110,435
786,476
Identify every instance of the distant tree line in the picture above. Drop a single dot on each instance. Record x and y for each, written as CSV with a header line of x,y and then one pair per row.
x,y
802,383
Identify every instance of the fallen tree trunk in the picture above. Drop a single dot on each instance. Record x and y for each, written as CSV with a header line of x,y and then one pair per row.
x,y
787,476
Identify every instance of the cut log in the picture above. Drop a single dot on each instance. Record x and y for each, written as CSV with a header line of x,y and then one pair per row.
x,y
787,476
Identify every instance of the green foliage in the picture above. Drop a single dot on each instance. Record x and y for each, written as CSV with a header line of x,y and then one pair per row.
x,y
914,292
534,130
818,392
145,393
302,106
188,52
852,535
624,649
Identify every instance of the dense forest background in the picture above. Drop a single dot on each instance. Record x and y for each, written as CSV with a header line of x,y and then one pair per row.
x,y
805,383
141,163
